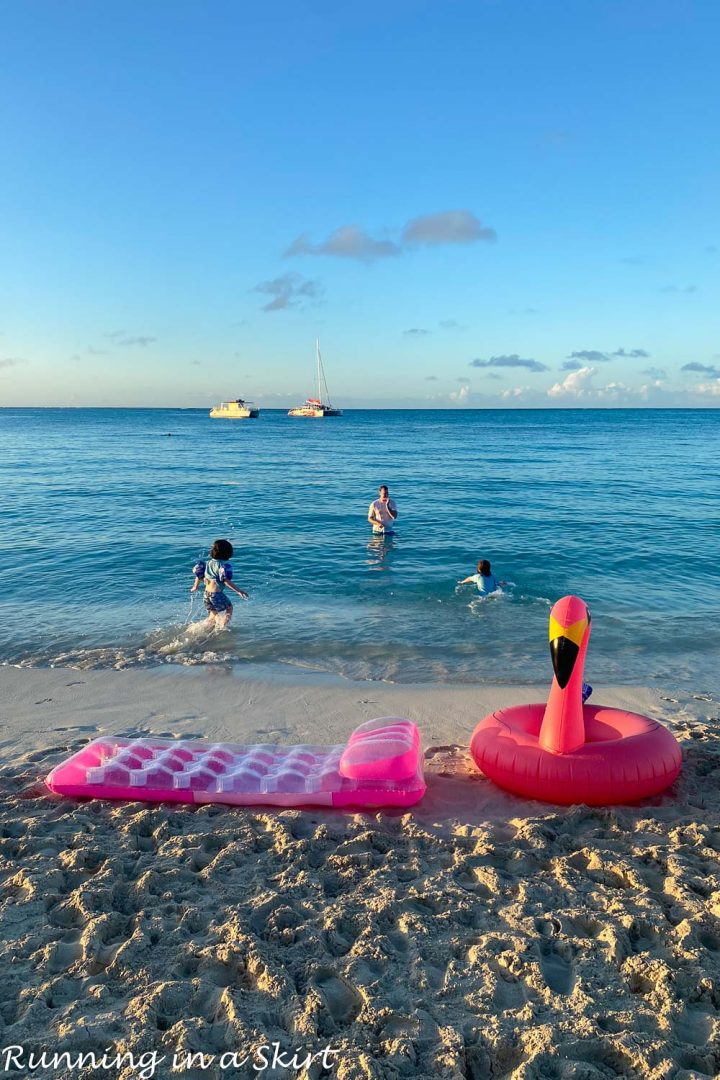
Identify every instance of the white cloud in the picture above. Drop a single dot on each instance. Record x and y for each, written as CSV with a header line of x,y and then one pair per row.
x,y
617,391
573,385
515,392
577,386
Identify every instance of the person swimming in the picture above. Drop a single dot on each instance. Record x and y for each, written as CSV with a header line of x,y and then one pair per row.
x,y
484,578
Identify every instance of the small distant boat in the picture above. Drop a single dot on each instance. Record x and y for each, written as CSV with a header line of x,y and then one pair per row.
x,y
235,410
315,407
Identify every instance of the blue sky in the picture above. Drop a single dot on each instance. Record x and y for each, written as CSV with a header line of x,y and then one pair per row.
x,y
494,203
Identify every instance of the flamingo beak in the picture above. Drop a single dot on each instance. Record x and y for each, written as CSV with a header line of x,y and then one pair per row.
x,y
565,642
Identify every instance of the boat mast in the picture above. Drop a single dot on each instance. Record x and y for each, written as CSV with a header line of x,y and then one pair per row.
x,y
321,375
317,355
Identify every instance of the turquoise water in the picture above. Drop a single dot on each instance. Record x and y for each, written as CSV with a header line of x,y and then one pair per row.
x,y
104,513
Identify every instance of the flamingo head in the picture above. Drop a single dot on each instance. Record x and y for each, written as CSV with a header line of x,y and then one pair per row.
x,y
569,633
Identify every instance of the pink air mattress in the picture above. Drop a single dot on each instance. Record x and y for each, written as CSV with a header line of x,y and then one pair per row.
x,y
380,765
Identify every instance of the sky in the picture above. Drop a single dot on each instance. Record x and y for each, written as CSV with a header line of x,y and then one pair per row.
x,y
494,203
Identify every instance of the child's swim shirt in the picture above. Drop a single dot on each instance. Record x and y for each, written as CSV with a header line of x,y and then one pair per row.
x,y
486,583
218,572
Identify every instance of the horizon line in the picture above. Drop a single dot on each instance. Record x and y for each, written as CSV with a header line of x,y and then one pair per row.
x,y
391,408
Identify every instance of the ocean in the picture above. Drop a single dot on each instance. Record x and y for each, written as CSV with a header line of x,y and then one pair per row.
x,y
105,511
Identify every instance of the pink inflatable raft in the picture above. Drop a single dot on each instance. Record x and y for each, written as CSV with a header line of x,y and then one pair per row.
x,y
566,752
381,765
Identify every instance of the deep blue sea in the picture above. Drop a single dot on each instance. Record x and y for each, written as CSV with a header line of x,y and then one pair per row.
x,y
104,512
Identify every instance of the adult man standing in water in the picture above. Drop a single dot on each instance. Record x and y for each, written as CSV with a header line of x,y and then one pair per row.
x,y
383,512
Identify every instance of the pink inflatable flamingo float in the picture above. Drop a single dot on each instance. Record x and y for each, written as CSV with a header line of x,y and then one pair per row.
x,y
567,752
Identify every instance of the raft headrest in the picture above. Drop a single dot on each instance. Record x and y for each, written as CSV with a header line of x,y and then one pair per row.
x,y
384,749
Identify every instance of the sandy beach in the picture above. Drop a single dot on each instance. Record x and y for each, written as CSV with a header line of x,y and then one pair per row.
x,y
356,362
477,935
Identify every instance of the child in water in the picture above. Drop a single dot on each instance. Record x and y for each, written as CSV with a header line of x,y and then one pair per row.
x,y
217,573
484,579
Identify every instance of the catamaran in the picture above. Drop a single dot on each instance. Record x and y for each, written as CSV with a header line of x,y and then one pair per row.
x,y
235,410
315,407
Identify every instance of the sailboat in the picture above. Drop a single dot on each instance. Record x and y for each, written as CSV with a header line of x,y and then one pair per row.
x,y
315,407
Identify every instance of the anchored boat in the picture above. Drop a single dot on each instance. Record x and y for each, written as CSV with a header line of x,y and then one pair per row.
x,y
315,407
235,410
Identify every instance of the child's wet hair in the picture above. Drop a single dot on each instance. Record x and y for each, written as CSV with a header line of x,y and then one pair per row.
x,y
221,549
484,568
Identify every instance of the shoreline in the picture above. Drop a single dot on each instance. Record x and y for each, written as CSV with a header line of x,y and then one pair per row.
x,y
222,702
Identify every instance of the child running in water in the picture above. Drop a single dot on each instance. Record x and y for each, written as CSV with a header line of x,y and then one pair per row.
x,y
217,573
484,579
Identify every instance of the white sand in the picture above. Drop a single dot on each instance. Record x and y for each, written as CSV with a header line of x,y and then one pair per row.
x,y
478,935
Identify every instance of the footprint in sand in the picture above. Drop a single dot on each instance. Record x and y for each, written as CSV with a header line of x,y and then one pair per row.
x,y
276,923
508,991
341,998
302,827
62,991
39,755
642,937
101,939
692,1026
556,966
556,963
63,956
709,941
612,1024
341,936
585,925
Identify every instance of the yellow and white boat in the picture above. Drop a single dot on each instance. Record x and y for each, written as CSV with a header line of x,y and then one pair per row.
x,y
234,410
